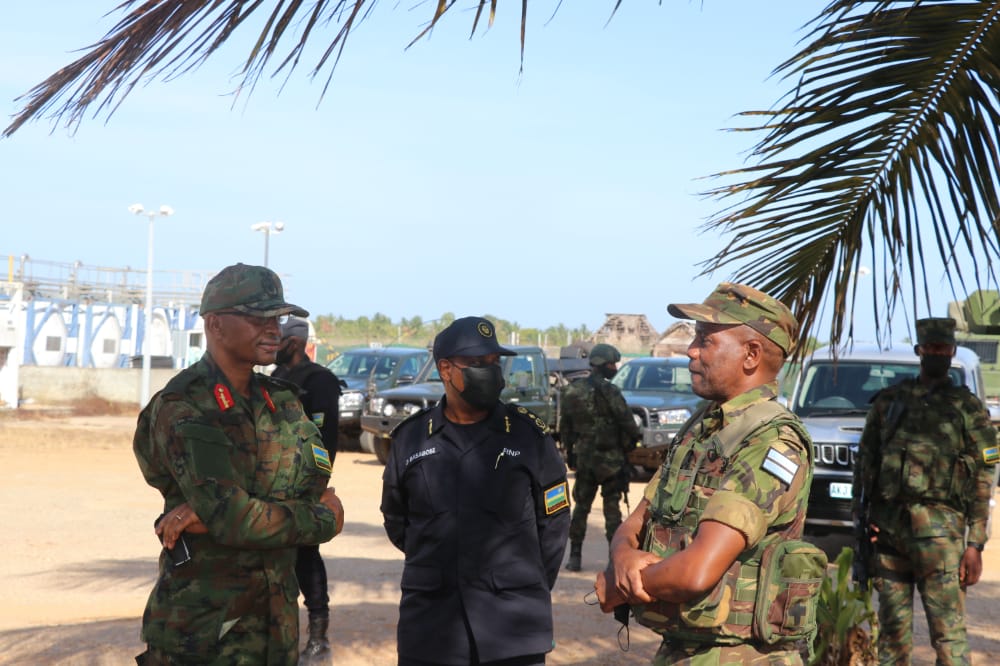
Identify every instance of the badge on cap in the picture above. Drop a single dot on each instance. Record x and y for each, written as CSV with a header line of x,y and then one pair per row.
x,y
485,330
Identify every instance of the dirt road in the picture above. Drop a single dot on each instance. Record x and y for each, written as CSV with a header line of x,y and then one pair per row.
x,y
79,559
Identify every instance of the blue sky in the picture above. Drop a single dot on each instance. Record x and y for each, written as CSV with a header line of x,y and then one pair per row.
x,y
430,180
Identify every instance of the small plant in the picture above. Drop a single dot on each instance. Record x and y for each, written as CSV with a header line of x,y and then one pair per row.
x,y
841,612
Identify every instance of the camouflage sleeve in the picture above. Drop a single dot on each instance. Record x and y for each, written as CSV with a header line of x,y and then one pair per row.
x,y
567,429
766,484
622,414
981,447
203,463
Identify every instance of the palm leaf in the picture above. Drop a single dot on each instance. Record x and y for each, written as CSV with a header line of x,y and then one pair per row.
x,y
885,149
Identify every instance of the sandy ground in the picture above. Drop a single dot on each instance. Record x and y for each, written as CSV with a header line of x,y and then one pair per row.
x,y
79,558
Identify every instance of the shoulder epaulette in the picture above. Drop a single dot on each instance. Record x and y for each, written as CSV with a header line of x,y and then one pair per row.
x,y
180,382
524,413
281,384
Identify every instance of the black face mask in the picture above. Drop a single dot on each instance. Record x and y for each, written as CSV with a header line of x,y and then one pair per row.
x,y
607,371
285,354
935,366
482,386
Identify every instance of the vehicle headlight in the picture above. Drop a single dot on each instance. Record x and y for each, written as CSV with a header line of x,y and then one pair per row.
x,y
409,409
351,400
388,409
673,416
638,419
375,405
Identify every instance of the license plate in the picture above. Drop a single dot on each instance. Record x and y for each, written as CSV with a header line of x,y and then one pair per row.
x,y
840,490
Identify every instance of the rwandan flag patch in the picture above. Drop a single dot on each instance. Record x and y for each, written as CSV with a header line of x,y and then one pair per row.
x,y
556,499
991,456
319,418
322,458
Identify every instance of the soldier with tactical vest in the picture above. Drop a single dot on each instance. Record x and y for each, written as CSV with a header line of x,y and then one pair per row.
x,y
598,430
712,557
922,486
319,391
244,475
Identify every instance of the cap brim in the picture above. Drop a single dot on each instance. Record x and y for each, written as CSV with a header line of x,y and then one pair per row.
x,y
701,312
482,350
275,311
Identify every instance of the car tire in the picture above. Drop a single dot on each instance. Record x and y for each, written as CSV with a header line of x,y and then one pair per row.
x,y
382,445
367,441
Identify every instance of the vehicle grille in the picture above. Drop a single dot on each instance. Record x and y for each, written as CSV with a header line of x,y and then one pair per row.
x,y
837,456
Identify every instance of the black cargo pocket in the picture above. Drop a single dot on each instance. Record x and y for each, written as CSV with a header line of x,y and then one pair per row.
x,y
420,579
211,451
516,576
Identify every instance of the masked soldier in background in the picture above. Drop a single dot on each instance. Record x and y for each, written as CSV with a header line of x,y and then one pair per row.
x,y
922,486
599,431
319,391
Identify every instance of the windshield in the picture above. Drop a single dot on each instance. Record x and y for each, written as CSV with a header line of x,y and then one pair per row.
x,y
849,386
673,376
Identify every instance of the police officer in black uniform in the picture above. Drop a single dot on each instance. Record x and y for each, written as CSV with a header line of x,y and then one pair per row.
x,y
319,391
474,493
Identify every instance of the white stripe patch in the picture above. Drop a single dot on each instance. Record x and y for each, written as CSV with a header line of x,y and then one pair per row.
x,y
779,466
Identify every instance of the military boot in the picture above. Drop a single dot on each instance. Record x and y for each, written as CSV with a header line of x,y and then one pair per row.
x,y
575,553
317,646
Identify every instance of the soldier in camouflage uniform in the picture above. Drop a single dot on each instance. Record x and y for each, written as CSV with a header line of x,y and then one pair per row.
x,y
711,558
598,431
923,484
243,475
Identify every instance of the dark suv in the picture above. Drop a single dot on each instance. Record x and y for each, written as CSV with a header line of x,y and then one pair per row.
x,y
832,398
658,391
367,368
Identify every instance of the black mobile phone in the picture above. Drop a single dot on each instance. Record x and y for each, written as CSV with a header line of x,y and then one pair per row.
x,y
181,552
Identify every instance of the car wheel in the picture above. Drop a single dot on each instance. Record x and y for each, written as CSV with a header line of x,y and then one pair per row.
x,y
382,445
367,442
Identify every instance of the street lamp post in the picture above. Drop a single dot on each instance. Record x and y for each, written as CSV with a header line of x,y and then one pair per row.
x,y
138,209
268,228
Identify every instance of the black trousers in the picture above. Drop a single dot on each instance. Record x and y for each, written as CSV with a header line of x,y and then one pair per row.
x,y
311,572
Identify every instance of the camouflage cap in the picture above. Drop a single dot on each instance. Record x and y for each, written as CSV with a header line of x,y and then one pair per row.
x,y
732,303
468,336
604,353
939,330
253,290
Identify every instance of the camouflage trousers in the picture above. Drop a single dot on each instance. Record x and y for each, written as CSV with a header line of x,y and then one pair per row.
x,y
588,480
932,565
673,654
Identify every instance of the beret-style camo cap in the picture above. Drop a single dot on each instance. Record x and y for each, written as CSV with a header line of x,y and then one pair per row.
x,y
936,330
732,303
253,290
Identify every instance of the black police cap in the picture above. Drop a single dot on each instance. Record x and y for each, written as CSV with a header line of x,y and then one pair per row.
x,y
469,336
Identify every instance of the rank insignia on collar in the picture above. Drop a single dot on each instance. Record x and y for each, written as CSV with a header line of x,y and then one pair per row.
x,y
267,398
223,397
322,458
556,499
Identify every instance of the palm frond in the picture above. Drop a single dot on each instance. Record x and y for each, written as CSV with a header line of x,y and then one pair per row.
x,y
884,149
166,38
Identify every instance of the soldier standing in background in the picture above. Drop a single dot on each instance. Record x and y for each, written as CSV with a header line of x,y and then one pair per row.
x,y
599,431
922,485
244,476
319,391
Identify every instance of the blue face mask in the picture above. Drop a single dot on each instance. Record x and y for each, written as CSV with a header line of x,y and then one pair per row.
x,y
482,386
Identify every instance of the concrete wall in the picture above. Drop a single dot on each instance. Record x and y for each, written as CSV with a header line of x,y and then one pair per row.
x,y
61,385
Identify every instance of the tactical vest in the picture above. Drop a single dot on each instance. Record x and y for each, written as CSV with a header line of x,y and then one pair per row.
x,y
769,593
923,461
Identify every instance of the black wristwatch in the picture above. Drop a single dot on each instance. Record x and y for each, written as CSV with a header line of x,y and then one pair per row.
x,y
977,546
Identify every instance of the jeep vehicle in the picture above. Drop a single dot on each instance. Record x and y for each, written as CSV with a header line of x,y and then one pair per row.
x,y
365,368
833,397
658,391
526,375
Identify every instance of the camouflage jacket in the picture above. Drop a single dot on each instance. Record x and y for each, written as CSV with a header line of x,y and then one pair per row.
x,y
594,419
926,462
759,487
253,471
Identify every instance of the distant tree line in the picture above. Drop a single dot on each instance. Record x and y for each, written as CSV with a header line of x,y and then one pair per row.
x,y
336,332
